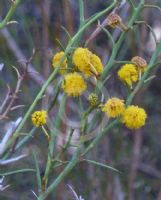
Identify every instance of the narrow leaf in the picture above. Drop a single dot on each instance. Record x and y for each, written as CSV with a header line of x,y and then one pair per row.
x,y
17,171
38,176
101,165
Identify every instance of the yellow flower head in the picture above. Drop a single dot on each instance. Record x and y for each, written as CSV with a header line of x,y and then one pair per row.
x,y
56,60
114,107
93,99
73,84
87,62
134,117
39,118
96,64
128,74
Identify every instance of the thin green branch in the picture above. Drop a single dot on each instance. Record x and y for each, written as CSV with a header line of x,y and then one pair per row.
x,y
17,133
10,13
108,34
99,136
17,172
81,10
64,173
26,138
122,62
38,177
131,3
150,28
152,6
52,142
145,75
101,165
118,44
53,74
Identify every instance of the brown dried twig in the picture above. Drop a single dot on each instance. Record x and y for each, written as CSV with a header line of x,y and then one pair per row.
x,y
10,98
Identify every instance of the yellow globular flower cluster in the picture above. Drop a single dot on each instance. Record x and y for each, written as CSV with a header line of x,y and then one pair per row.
x,y
56,61
39,118
87,62
114,107
74,84
131,73
134,117
97,64
83,61
128,74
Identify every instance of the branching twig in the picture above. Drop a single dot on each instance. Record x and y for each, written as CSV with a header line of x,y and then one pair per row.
x,y
21,57
8,135
102,25
10,13
13,96
11,160
152,6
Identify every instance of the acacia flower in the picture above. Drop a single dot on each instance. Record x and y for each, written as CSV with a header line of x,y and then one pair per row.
x,y
39,118
97,64
114,20
128,74
56,60
114,107
140,63
87,62
134,117
74,84
93,99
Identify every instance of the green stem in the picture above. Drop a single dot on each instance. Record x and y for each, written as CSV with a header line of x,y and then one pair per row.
x,y
51,77
152,6
99,136
52,142
81,10
145,75
9,14
17,172
132,3
129,100
64,173
46,133
17,133
117,45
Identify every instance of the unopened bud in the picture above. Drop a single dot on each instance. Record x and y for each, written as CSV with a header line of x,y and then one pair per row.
x,y
93,99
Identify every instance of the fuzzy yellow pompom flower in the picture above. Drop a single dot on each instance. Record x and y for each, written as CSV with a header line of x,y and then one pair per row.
x,y
128,74
134,117
39,118
87,62
74,84
114,107
56,60
97,64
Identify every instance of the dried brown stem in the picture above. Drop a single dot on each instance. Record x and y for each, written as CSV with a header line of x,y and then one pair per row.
x,y
34,75
12,97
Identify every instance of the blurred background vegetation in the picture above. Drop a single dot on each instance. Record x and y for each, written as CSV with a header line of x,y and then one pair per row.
x,y
135,153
